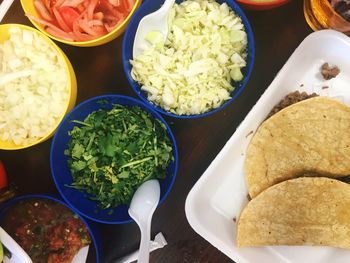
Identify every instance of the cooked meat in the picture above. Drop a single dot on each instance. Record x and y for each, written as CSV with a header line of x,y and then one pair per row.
x,y
290,99
329,72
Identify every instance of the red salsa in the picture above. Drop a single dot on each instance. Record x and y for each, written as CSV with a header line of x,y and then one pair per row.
x,y
47,230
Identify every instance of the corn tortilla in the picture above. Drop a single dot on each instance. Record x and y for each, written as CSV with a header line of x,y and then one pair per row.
x,y
302,211
311,136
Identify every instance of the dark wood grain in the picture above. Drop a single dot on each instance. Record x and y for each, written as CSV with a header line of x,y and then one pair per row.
x,y
99,71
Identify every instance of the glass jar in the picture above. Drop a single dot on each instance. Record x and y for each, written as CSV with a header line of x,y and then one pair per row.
x,y
333,14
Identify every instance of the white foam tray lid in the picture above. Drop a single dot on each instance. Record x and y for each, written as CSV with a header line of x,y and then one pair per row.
x,y
216,200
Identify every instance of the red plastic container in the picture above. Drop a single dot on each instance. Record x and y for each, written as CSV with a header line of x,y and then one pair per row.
x,y
249,4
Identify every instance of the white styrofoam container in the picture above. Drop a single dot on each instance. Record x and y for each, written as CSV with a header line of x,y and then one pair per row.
x,y
218,197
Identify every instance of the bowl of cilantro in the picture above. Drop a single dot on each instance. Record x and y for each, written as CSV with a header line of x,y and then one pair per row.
x,y
104,149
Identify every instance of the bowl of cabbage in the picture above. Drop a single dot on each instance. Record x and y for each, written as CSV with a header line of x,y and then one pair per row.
x,y
202,66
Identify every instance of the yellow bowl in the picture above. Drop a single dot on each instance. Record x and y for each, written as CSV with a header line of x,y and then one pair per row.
x,y
72,85
28,7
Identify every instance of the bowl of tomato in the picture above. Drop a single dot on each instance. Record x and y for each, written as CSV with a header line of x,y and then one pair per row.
x,y
83,23
49,230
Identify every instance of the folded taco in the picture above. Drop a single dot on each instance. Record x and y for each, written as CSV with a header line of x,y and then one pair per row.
x,y
302,211
311,136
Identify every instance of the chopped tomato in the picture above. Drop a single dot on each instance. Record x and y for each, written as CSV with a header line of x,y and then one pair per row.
x,y
3,177
61,22
81,19
69,15
91,9
42,10
115,2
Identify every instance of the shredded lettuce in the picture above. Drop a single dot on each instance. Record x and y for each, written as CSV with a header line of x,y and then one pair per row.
x,y
203,55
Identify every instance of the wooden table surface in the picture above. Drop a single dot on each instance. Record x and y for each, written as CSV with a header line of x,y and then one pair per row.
x,y
99,71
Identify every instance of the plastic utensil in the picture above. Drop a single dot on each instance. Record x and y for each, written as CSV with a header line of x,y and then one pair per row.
x,y
142,206
127,54
4,7
61,173
81,256
156,21
158,242
20,256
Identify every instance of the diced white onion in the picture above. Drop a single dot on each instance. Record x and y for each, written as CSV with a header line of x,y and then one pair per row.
x,y
33,87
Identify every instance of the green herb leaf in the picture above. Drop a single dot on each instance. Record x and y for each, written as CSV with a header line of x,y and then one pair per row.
x,y
113,151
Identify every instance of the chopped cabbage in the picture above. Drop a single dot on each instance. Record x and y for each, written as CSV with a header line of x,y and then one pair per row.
x,y
192,72
33,87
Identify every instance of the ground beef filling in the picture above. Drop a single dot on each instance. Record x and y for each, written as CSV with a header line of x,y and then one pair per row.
x,y
329,72
290,99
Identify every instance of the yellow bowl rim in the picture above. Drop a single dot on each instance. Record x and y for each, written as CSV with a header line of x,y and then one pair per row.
x,y
93,42
70,74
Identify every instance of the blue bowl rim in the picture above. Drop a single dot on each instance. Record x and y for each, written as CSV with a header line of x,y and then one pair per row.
x,y
102,97
250,47
17,199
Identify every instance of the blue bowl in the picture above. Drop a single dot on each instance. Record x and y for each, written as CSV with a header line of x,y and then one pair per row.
x,y
79,201
95,245
127,54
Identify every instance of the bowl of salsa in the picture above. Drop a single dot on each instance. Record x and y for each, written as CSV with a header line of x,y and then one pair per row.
x,y
48,230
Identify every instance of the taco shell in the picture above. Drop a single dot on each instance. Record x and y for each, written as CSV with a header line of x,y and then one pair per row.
x,y
309,137
302,211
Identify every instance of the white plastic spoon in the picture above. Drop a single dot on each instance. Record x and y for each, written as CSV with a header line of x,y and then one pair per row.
x,y
156,21
18,254
142,206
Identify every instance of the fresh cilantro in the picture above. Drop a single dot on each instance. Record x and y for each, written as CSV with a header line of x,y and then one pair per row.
x,y
113,151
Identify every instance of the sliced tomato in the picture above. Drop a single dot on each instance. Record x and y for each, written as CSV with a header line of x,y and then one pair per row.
x,y
81,19
107,8
131,4
98,16
84,25
127,5
69,15
3,177
51,28
42,10
57,3
61,22
80,36
91,9
115,2
47,4
60,34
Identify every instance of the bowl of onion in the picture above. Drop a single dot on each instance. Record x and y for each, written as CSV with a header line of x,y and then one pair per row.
x,y
37,88
83,23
